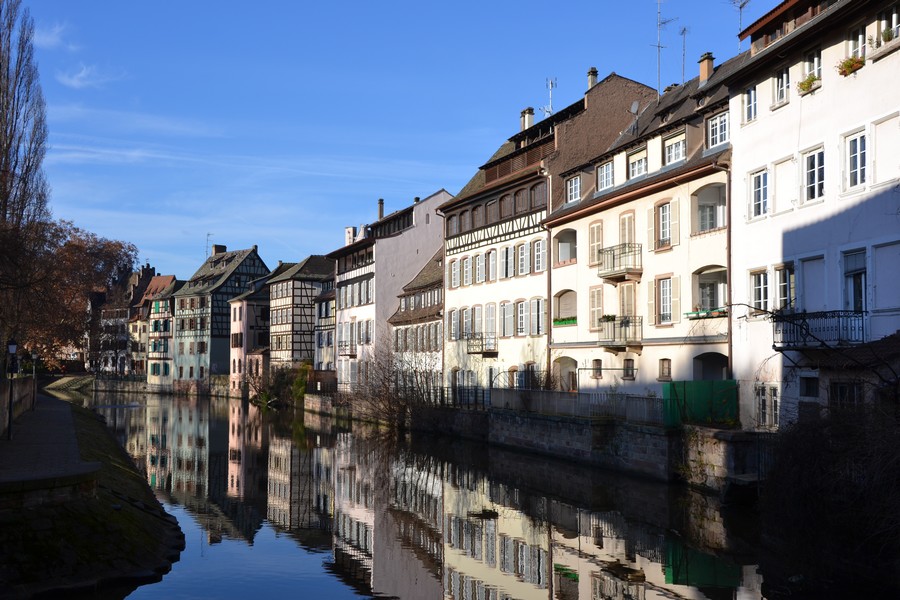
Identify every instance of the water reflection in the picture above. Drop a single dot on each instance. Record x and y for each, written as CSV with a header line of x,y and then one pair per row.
x,y
427,518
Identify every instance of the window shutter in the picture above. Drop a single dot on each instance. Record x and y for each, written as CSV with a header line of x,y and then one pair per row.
x,y
676,299
674,233
535,314
651,304
503,259
651,231
477,325
526,258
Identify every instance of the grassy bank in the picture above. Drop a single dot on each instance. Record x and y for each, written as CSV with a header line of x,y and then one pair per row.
x,y
110,543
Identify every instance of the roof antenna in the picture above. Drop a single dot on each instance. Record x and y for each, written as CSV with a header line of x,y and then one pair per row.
x,y
548,110
740,5
660,23
683,33
208,235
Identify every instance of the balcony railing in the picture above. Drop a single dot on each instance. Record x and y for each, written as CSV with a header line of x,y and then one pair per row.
x,y
346,349
481,343
621,331
818,329
620,262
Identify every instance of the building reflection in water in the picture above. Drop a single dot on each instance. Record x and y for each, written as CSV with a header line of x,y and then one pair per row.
x,y
469,523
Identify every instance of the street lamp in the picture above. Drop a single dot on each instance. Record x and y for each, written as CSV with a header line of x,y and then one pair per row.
x,y
11,346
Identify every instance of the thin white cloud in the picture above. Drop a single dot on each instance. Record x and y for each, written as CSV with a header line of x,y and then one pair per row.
x,y
92,119
52,38
87,76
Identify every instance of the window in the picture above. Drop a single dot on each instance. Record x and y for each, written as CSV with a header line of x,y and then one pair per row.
x,y
812,64
605,176
750,105
490,320
596,306
540,255
453,319
674,149
479,268
522,320
665,369
524,258
506,209
506,319
759,286
856,159
573,189
710,202
537,316
477,217
637,164
628,368
784,281
711,286
766,405
539,195
856,42
717,129
664,224
595,242
467,270
454,274
521,201
809,387
782,85
492,265
597,369
855,281
759,182
664,300
507,262
566,246
889,20
814,167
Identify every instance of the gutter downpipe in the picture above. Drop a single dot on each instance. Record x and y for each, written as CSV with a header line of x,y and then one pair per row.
x,y
728,272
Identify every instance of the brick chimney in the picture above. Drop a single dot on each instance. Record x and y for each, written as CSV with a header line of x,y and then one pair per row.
x,y
706,67
380,208
592,77
219,249
527,118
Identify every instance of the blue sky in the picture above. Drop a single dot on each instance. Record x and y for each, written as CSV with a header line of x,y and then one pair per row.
x,y
279,123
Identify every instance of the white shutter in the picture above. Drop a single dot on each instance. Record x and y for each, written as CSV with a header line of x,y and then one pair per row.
x,y
503,263
526,258
676,299
674,219
476,315
651,303
651,230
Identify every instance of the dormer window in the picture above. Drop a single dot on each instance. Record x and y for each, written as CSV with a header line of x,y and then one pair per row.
x,y
637,164
573,189
674,149
717,130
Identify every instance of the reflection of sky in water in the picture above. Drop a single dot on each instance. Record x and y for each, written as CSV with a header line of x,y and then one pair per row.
x,y
277,503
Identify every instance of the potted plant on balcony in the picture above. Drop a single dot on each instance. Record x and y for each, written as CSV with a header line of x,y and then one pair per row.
x,y
808,83
608,318
850,65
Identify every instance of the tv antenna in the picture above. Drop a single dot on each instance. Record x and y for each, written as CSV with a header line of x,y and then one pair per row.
x,y
740,5
683,33
634,117
208,236
548,110
660,23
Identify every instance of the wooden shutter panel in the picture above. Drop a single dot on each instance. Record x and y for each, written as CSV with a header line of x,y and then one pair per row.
x,y
651,303
674,219
651,229
676,299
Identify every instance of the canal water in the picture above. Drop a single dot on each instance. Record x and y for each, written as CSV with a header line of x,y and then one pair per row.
x,y
287,502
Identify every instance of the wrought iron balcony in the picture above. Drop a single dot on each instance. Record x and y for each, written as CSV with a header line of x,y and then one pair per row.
x,y
347,349
818,329
620,263
621,331
481,343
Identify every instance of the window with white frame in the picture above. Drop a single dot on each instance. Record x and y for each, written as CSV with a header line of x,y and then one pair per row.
x,y
454,273
812,64
605,176
664,225
889,24
537,316
490,320
855,145
467,270
766,405
711,286
540,255
637,164
856,42
596,306
664,300
573,189
507,262
524,258
453,318
465,321
750,104
782,85
522,319
492,265
710,208
759,193
785,287
674,149
506,319
759,288
717,129
479,268
814,174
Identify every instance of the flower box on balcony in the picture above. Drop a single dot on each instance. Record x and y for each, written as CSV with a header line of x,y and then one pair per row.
x,y
565,321
850,65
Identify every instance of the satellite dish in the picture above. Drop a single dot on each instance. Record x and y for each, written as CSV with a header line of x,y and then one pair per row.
x,y
634,107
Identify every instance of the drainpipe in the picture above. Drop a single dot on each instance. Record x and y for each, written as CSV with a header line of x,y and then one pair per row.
x,y
548,309
728,272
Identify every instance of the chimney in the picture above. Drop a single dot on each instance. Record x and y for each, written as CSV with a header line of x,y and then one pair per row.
x,y
527,118
416,200
219,249
349,235
592,77
706,67
380,208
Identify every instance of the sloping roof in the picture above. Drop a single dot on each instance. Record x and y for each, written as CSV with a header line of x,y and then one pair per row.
x,y
430,277
316,267
157,284
169,290
214,272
